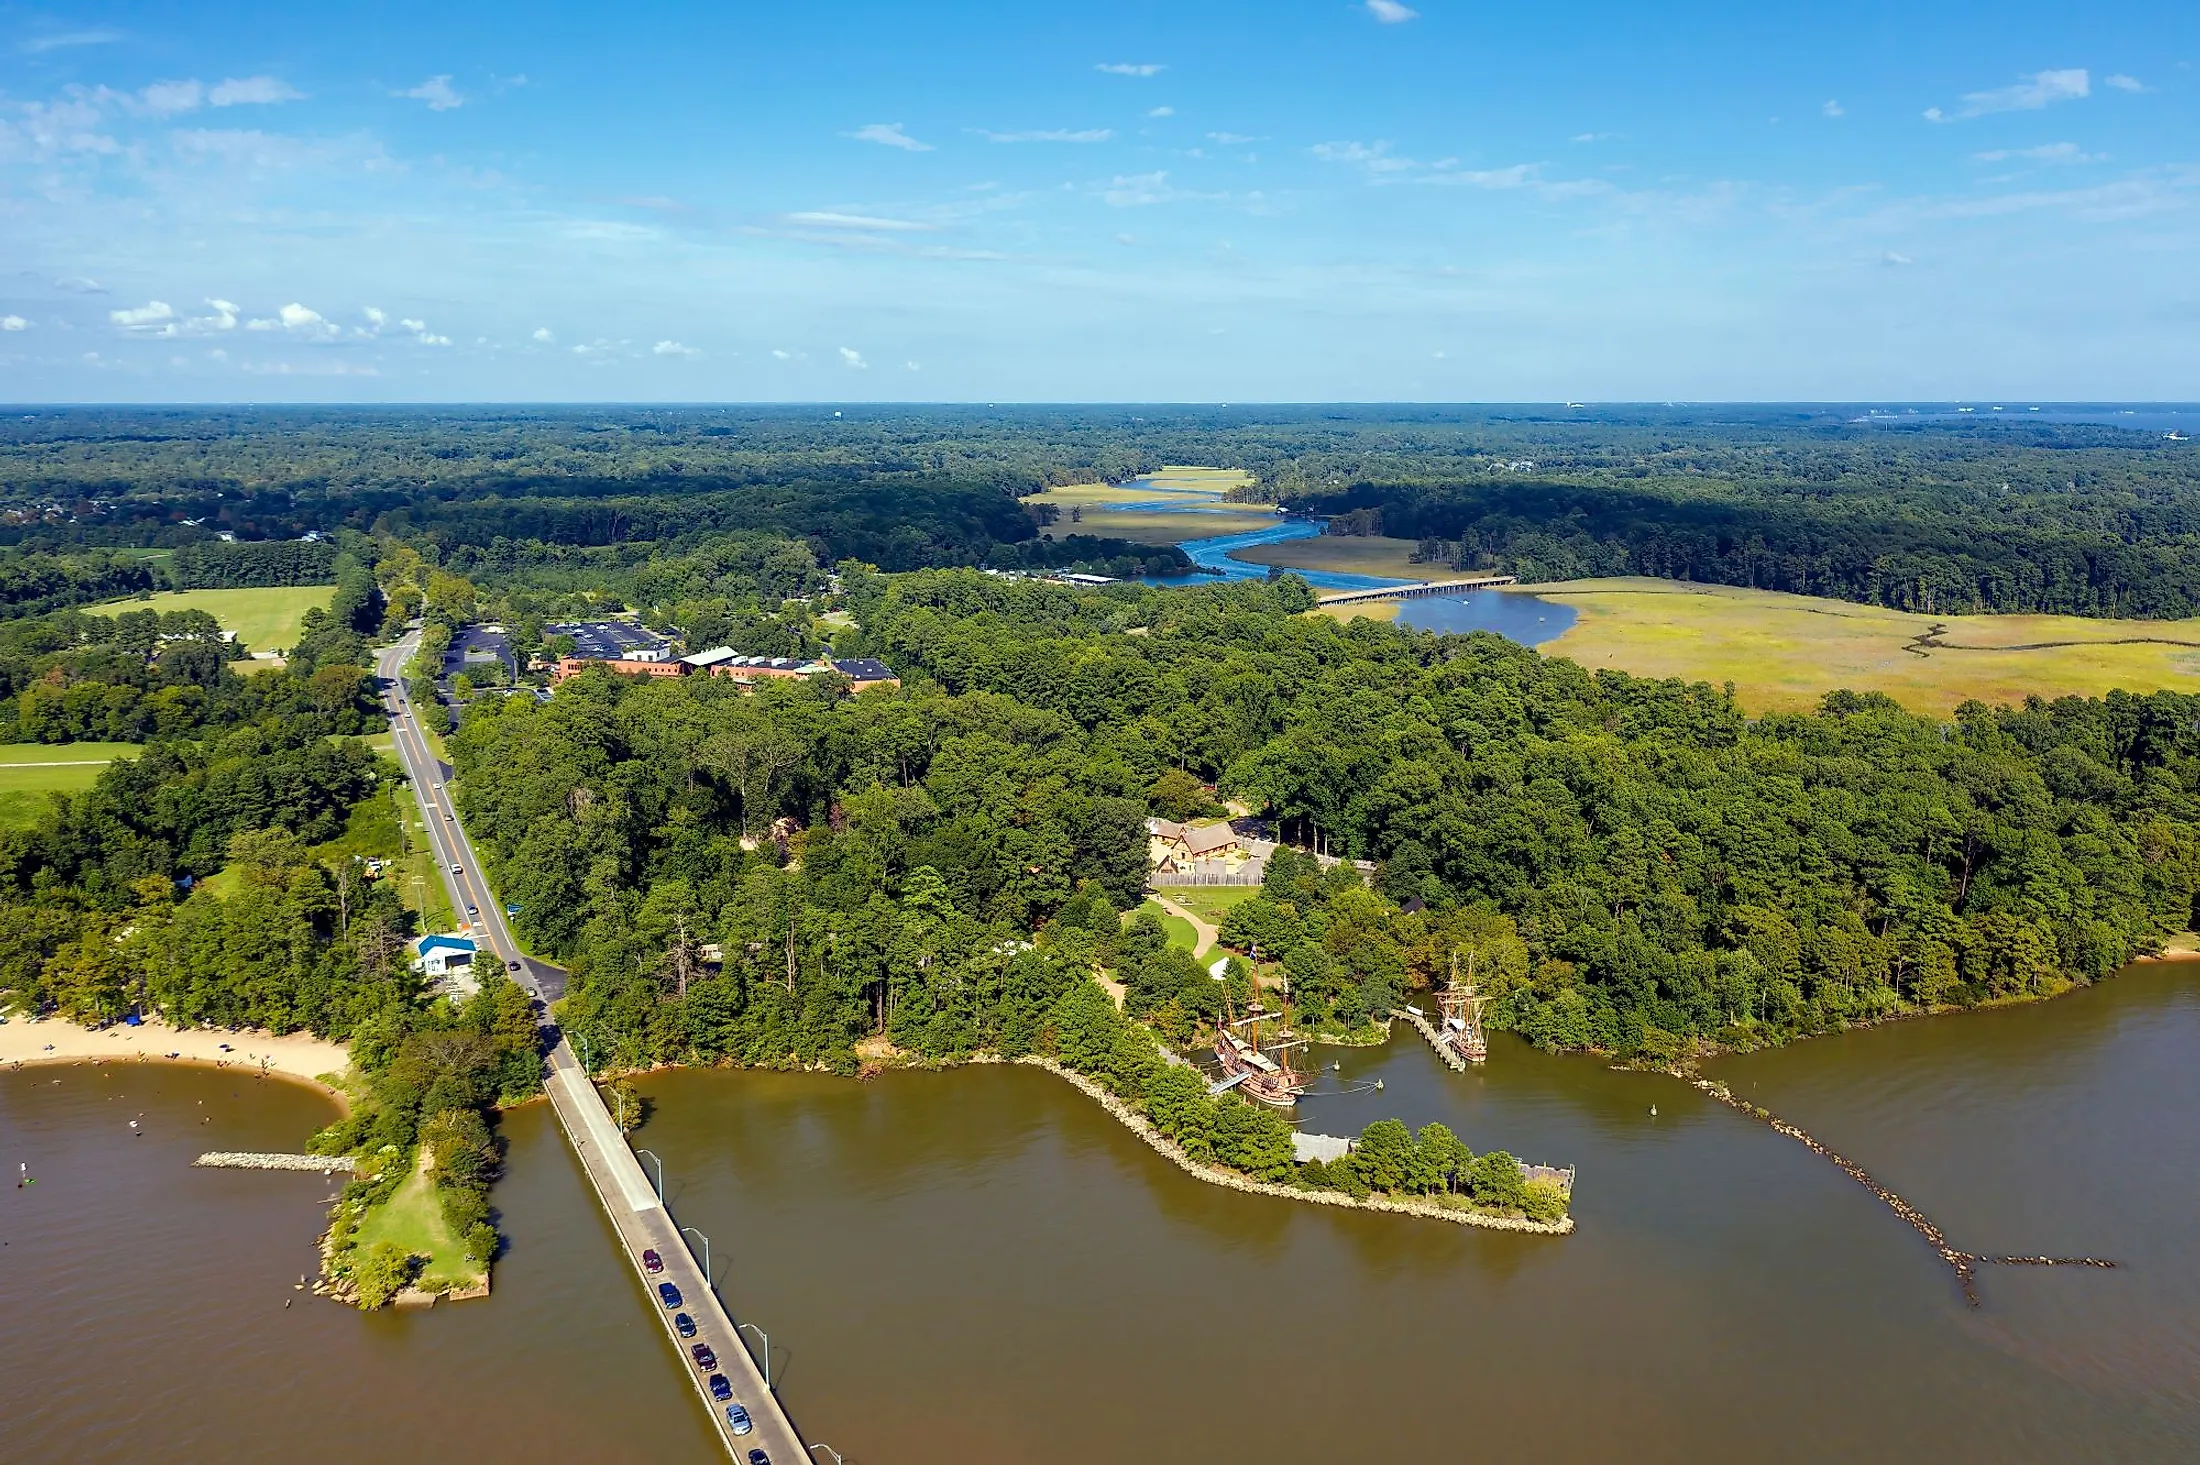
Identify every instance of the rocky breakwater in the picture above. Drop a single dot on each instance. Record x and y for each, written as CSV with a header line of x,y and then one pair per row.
x,y
1230,1179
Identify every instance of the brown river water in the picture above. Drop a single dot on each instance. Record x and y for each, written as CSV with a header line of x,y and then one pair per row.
x,y
980,1266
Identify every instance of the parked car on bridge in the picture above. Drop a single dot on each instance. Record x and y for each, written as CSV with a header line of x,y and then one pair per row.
x,y
758,1457
669,1293
719,1388
704,1358
683,1325
651,1262
738,1418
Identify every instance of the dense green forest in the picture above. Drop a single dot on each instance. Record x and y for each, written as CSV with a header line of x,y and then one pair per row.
x,y
1628,865
1925,512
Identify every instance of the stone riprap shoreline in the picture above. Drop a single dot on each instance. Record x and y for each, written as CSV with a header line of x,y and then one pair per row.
x,y
1230,1179
253,1160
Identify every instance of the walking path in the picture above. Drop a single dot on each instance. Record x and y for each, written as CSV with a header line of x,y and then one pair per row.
x,y
1209,935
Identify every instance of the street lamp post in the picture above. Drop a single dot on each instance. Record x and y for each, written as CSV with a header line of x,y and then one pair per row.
x,y
660,1174
767,1349
828,1449
691,1231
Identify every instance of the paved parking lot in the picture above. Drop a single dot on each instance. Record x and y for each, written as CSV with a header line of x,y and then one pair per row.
x,y
606,640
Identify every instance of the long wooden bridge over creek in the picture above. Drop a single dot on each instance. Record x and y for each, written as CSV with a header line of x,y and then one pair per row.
x,y
635,1208
1414,592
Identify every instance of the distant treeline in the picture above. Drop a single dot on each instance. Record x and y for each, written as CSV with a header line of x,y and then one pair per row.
x,y
1931,513
1906,557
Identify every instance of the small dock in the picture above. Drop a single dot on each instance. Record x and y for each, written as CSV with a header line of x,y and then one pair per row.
x,y
1427,1030
249,1160
1414,592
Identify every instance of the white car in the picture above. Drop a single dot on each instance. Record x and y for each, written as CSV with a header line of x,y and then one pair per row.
x,y
458,869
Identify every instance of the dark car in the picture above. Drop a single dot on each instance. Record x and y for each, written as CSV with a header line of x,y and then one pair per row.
x,y
758,1457
719,1388
704,1358
683,1325
511,966
652,1263
669,1293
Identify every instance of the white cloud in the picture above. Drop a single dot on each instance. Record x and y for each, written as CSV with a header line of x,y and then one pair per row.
x,y
224,317
376,316
243,91
854,359
422,335
906,365
165,98
1390,12
1132,68
39,45
673,348
437,92
1895,261
297,317
889,134
13,323
1162,112
1137,189
2040,89
1057,134
542,334
1229,139
824,220
155,315
1375,157
2053,152
1833,109
2125,83
1593,137
781,355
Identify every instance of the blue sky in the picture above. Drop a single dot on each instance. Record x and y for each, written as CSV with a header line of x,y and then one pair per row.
x,y
1137,201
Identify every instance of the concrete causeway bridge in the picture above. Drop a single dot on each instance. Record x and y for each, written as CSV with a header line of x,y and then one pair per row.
x,y
1414,592
634,1207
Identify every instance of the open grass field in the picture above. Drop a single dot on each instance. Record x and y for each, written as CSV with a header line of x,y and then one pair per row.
x,y
263,620
31,771
1211,902
1783,652
1344,554
413,1221
1180,930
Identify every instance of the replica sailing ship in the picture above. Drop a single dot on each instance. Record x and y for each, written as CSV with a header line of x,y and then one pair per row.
x,y
1462,1028
1249,1069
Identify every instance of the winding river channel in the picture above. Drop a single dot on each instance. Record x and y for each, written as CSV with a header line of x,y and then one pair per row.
x,y
1517,615
979,1266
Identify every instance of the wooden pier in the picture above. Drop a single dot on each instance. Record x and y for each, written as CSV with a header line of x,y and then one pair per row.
x,y
1428,1030
1414,592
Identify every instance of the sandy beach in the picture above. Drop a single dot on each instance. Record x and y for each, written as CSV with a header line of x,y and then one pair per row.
x,y
298,1056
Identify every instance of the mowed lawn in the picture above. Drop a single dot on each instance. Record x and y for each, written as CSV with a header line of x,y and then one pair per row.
x,y
1784,652
31,771
264,620
413,1221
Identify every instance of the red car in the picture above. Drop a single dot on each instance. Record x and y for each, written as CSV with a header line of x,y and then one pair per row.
x,y
704,1358
652,1263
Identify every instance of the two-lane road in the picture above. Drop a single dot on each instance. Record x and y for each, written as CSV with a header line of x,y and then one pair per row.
x,y
635,1210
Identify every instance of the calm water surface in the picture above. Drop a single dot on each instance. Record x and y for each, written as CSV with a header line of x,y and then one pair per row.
x,y
979,1266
